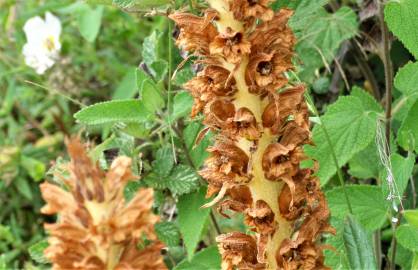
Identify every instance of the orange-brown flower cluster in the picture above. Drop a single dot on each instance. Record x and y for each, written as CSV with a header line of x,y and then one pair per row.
x,y
96,227
262,123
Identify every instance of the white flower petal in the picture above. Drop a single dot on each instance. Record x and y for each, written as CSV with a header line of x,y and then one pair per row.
x,y
53,25
34,29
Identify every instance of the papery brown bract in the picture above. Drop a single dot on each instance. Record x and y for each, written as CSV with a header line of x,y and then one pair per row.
x,y
262,123
96,227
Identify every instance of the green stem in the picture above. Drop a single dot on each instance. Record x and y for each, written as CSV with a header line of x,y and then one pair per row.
x,y
170,64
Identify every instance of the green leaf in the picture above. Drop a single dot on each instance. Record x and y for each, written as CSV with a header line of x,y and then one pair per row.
x,y
366,163
208,259
182,105
168,233
35,168
336,258
368,203
127,88
351,125
403,256
126,111
160,68
198,152
23,187
402,170
36,252
126,4
415,262
164,161
320,34
407,236
406,81
151,96
408,132
358,247
182,180
192,219
89,21
151,48
412,217
5,234
131,188
402,19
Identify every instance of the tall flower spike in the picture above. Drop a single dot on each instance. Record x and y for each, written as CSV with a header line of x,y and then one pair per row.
x,y
262,124
96,228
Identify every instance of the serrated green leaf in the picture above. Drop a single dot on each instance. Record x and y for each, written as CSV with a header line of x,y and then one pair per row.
x,y
368,203
192,219
89,21
320,34
407,236
182,180
412,217
168,233
36,252
402,19
357,245
126,111
408,132
127,88
164,161
182,105
351,125
402,170
208,259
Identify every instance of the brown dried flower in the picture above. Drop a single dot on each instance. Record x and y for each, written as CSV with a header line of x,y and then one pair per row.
x,y
262,124
97,228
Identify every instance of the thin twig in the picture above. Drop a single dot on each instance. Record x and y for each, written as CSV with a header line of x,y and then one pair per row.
x,y
387,62
170,63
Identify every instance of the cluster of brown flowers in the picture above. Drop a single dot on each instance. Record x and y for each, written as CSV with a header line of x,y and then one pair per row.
x,y
262,124
96,227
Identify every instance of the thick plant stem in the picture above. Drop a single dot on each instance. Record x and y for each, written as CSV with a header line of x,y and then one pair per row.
x,y
261,122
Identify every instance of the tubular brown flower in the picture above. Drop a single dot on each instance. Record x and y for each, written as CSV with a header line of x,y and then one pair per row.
x,y
96,227
262,123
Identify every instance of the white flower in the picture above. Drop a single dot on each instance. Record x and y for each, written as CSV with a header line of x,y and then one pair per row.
x,y
43,45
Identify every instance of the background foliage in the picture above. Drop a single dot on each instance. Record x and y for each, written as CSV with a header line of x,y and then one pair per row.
x,y
114,85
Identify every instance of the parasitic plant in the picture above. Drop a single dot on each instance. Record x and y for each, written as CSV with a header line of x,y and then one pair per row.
x,y
96,227
262,122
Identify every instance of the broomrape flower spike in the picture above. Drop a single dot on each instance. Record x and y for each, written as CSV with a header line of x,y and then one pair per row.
x,y
262,124
43,45
96,228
